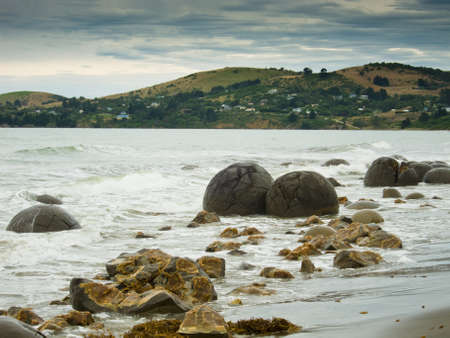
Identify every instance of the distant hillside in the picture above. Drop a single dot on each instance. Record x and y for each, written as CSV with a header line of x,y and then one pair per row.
x,y
401,79
205,81
31,99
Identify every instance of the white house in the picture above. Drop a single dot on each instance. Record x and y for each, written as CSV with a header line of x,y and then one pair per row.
x,y
122,116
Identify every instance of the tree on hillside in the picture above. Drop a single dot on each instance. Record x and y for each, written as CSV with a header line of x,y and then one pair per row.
x,y
444,96
381,81
307,71
323,72
405,123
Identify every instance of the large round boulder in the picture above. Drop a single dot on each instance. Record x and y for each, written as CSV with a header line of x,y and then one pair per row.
x,y
301,193
382,172
438,175
420,168
42,218
408,176
239,189
10,327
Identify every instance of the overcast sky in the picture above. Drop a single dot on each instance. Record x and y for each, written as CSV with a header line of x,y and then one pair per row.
x,y
93,48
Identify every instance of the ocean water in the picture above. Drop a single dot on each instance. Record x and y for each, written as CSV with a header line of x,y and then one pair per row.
x,y
119,182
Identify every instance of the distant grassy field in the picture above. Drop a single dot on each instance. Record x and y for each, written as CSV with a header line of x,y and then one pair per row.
x,y
30,98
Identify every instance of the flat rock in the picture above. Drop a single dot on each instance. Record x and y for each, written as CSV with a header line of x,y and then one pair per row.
x,y
363,204
43,218
203,321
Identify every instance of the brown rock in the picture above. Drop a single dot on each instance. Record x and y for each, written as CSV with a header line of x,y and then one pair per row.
x,y
73,318
25,315
367,216
342,199
307,265
259,326
399,201
320,230
284,252
356,259
352,232
166,328
380,239
272,272
258,289
219,246
307,249
203,321
213,266
414,196
204,217
391,193
235,302
165,228
140,234
229,233
310,220
249,231
237,252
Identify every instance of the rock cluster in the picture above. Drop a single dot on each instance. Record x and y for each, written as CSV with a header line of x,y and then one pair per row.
x,y
146,281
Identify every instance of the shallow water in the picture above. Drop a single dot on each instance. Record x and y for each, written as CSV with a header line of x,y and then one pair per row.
x,y
119,182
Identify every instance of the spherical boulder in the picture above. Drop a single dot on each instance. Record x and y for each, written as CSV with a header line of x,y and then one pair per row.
x,y
300,194
438,175
239,189
43,218
408,176
420,168
10,327
367,216
320,230
382,172
391,193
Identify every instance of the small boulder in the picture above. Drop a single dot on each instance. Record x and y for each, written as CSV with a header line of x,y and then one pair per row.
x,y
306,249
414,196
367,216
310,220
220,246
239,189
213,266
322,230
202,321
47,199
155,328
438,175
352,232
334,182
334,162
246,266
363,204
380,239
301,193
11,327
204,217
25,315
407,176
356,259
382,172
229,233
257,289
391,193
249,231
43,218
272,272
307,265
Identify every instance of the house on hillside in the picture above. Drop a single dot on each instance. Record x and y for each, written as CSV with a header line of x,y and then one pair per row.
x,y
122,116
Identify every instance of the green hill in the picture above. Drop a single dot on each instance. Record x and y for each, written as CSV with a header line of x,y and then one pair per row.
x,y
31,99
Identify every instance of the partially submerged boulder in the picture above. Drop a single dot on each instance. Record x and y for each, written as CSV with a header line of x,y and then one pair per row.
x,y
307,265
48,199
43,218
335,162
239,189
256,289
73,318
272,272
391,193
323,230
25,315
420,168
204,217
407,176
11,327
259,326
380,239
363,204
382,172
202,321
301,193
334,182
367,216
440,175
220,246
356,259
414,196
166,328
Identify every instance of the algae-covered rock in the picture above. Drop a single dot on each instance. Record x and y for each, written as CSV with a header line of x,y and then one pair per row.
x,y
380,239
220,246
204,217
307,265
213,266
203,321
229,233
356,259
25,315
259,326
256,289
272,272
166,328
238,189
73,318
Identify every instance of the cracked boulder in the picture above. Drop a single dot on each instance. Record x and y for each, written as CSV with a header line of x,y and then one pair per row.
x,y
239,189
300,194
43,218
382,172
